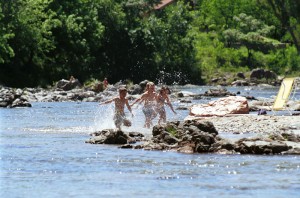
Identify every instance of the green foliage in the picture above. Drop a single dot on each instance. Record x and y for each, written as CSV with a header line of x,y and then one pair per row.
x,y
285,61
170,129
293,61
251,33
42,41
213,57
91,82
6,51
175,52
287,13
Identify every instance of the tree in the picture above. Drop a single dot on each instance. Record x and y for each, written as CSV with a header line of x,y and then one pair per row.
x,y
287,12
29,42
6,51
251,33
78,38
175,51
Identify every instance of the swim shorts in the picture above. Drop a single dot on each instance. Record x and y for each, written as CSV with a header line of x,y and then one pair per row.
x,y
149,111
120,119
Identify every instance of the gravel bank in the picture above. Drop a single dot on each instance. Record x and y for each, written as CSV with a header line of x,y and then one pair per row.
x,y
264,124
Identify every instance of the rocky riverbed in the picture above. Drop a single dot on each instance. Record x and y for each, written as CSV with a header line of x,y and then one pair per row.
x,y
251,123
269,135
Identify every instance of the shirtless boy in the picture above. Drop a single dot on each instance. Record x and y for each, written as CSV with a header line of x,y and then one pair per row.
x,y
120,102
162,99
149,99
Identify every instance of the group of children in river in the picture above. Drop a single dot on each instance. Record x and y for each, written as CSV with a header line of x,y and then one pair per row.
x,y
153,105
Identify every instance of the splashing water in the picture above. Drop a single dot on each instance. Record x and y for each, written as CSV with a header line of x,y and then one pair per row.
x,y
138,121
173,78
105,113
104,117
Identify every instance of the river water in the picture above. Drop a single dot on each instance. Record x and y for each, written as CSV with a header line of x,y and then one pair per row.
x,y
43,154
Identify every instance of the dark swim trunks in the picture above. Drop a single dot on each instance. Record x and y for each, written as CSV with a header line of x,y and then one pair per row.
x,y
149,111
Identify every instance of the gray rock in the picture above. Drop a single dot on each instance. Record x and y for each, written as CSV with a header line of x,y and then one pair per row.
x,y
261,147
257,73
109,136
135,89
240,75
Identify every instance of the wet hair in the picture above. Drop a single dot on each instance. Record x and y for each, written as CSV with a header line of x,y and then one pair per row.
x,y
148,85
122,89
164,88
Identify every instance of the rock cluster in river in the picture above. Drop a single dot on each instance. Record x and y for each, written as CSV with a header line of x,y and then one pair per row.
x,y
13,98
199,136
111,136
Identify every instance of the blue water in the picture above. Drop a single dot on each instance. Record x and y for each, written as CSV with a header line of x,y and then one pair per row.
x,y
43,154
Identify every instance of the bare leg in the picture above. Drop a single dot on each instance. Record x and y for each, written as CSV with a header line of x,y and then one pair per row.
x,y
162,116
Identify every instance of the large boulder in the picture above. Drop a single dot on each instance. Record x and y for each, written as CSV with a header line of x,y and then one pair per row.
x,y
270,74
67,85
219,92
143,84
261,147
241,75
109,136
259,73
135,89
220,107
187,137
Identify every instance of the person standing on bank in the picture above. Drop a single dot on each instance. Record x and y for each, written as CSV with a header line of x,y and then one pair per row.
x,y
105,83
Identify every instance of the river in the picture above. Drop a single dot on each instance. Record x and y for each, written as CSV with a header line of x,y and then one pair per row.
x,y
43,154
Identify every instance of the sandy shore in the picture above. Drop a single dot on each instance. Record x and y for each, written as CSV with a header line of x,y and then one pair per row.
x,y
263,124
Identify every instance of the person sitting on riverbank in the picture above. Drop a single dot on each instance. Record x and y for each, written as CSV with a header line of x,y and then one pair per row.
x,y
149,99
72,79
120,102
105,83
162,99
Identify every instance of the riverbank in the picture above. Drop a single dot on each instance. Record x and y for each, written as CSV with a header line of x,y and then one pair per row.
x,y
252,123
236,134
269,130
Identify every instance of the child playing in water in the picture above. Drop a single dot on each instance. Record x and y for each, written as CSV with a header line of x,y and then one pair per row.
x,y
149,99
161,98
120,102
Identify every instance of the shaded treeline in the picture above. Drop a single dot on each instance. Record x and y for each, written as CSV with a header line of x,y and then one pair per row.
x,y
43,41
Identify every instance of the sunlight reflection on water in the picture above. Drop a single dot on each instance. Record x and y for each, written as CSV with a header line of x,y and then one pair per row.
x,y
43,154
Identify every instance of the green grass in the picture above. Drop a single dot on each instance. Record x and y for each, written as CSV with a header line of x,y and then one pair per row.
x,y
172,130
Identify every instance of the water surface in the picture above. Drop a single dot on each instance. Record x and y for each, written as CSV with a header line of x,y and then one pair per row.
x,y
43,154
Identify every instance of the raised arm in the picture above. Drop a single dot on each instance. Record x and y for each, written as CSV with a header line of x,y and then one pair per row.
x,y
107,101
140,100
